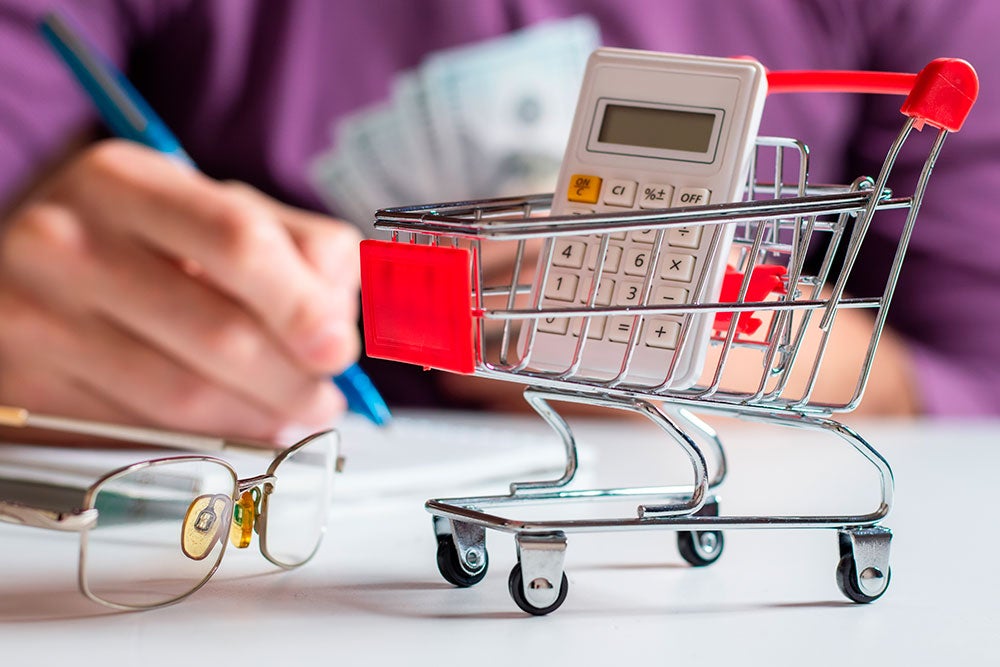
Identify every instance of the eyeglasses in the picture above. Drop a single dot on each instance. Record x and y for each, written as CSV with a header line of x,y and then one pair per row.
x,y
154,532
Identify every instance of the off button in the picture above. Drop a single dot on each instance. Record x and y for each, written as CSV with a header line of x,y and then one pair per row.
x,y
584,188
692,197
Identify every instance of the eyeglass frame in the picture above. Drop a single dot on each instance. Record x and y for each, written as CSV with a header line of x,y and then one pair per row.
x,y
82,519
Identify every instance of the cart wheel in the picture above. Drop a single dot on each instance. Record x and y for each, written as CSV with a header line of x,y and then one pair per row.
x,y
516,588
847,582
700,548
451,567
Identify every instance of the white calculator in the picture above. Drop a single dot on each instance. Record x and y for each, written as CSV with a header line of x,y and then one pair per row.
x,y
651,131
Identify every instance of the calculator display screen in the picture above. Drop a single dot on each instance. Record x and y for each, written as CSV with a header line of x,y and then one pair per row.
x,y
667,129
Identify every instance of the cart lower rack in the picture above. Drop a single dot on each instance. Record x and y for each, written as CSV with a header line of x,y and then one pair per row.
x,y
460,287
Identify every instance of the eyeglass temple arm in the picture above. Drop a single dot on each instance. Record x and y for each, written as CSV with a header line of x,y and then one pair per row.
x,y
78,520
36,517
22,418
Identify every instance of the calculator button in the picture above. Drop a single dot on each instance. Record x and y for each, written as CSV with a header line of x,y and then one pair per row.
x,y
666,295
643,236
685,237
617,236
556,325
619,193
637,262
661,332
629,293
692,196
597,327
620,328
612,261
569,253
604,291
584,188
561,286
579,210
675,266
655,195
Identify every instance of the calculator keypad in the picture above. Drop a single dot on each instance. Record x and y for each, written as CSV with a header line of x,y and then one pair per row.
x,y
627,261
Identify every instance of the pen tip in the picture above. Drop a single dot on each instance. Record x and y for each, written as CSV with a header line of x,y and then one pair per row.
x,y
362,396
382,417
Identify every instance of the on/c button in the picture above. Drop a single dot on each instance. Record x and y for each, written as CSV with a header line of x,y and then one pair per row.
x,y
584,188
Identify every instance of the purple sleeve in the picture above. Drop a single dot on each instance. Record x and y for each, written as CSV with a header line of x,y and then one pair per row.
x,y
947,304
41,106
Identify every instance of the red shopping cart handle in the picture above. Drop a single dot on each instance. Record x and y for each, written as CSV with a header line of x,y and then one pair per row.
x,y
940,95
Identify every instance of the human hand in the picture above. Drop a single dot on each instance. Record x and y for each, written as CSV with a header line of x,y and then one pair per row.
x,y
135,290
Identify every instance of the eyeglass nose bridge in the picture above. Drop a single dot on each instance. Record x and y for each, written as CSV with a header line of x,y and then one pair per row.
x,y
247,509
244,485
210,515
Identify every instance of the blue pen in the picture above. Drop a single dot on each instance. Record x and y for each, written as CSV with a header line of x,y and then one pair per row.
x,y
128,115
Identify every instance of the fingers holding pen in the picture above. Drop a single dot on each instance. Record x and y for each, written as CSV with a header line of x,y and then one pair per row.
x,y
141,323
329,246
206,296
89,369
240,247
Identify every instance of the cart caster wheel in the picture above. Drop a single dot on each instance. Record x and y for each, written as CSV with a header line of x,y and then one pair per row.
x,y
700,548
847,581
514,585
451,567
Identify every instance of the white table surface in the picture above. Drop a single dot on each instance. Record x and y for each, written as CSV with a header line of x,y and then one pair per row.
x,y
373,595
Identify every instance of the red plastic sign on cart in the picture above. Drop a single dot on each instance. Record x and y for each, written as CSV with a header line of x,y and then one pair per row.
x,y
416,301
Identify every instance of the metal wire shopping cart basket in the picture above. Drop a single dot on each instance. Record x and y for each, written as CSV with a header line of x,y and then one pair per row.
x,y
431,297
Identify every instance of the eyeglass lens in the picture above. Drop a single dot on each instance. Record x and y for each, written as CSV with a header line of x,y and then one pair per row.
x,y
297,504
162,528
160,534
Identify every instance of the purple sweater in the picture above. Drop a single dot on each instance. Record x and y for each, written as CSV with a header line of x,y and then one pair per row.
x,y
252,86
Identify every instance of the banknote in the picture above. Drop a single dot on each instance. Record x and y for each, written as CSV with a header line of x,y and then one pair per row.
x,y
502,109
416,136
344,192
482,120
372,146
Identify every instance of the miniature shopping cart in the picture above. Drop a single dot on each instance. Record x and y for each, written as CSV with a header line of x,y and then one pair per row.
x,y
432,296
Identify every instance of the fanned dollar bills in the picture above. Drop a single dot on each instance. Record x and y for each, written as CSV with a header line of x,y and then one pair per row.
x,y
484,120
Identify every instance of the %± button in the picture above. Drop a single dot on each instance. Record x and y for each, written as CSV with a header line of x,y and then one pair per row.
x,y
655,195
